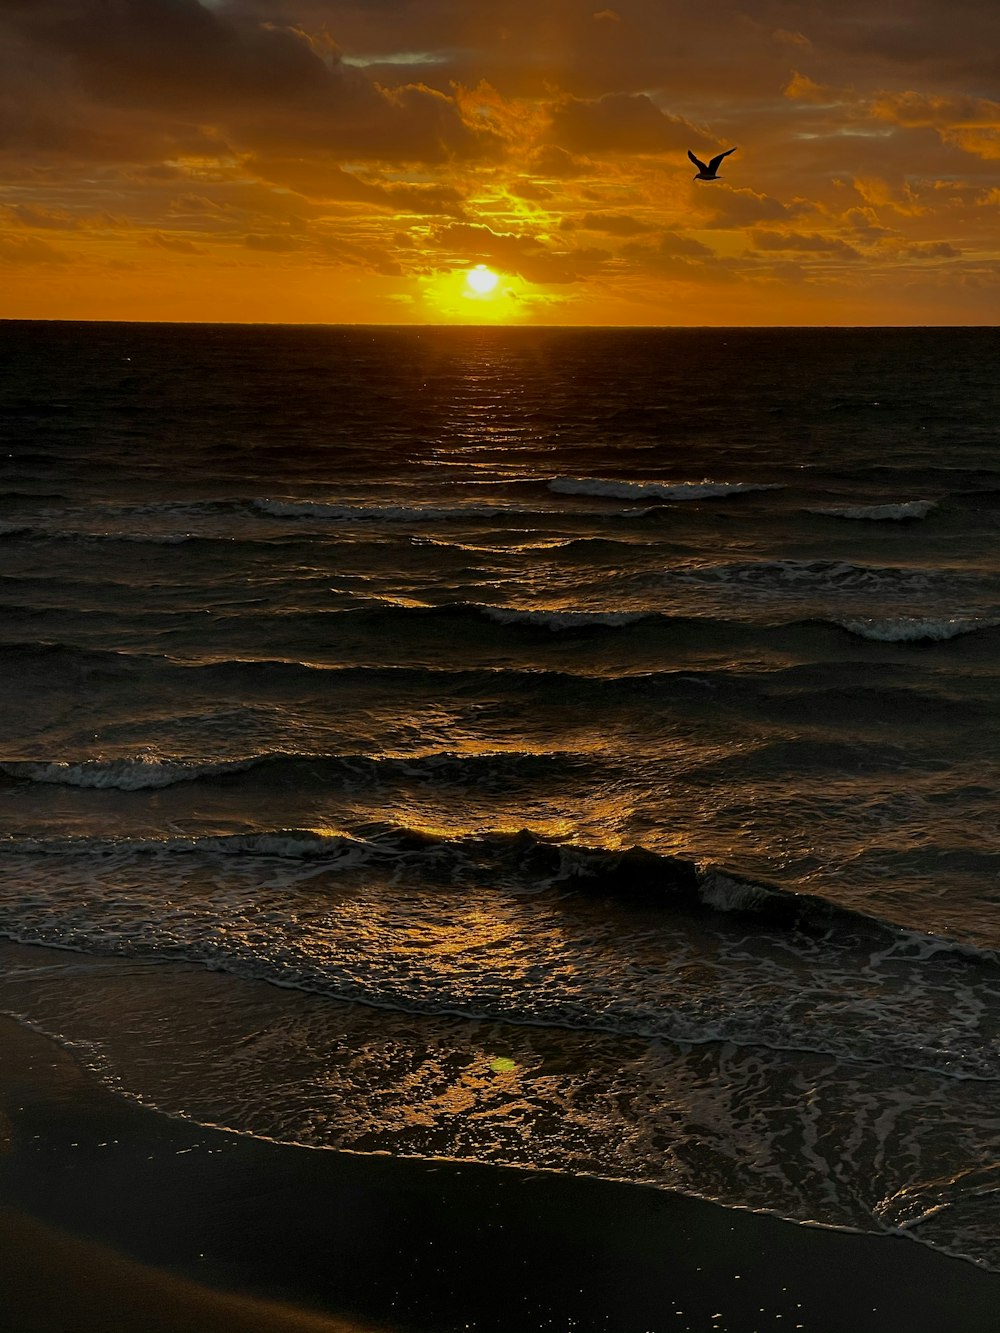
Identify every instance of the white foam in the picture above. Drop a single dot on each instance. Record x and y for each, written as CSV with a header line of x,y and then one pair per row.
x,y
904,509
123,774
152,539
657,490
909,629
825,575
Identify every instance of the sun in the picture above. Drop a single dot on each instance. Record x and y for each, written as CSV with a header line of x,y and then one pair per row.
x,y
481,280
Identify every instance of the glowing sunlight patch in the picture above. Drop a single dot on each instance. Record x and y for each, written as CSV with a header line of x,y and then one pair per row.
x,y
481,280
477,295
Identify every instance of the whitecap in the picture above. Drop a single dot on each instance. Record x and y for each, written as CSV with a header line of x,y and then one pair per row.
x,y
658,490
902,510
123,774
910,629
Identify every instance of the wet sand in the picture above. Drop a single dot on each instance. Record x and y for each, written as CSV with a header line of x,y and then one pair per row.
x,y
116,1219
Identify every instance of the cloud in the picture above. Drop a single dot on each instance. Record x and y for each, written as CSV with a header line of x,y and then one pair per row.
x,y
615,224
36,215
522,254
882,194
800,88
30,250
174,64
318,179
926,249
533,191
949,112
274,243
673,246
179,244
554,163
682,258
743,208
617,123
804,242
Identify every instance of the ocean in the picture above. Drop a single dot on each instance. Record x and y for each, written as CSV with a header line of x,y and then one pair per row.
x,y
564,749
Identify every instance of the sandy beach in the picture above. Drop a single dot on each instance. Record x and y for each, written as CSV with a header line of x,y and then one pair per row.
x,y
116,1218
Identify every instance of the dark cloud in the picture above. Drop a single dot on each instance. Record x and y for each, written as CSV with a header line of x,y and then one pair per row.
x,y
615,224
30,250
318,179
259,84
618,123
673,246
806,242
744,208
178,244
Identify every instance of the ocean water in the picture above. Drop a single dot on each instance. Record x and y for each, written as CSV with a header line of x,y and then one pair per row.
x,y
574,749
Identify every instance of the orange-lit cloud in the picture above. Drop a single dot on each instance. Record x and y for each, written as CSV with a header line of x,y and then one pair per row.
x,y
352,159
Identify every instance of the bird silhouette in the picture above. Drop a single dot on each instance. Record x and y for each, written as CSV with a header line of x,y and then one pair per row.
x,y
711,172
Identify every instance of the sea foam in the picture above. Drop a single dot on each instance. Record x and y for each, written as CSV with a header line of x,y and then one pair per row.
x,y
123,774
911,629
656,490
903,510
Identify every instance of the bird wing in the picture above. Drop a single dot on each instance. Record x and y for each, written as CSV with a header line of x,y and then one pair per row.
x,y
716,161
697,161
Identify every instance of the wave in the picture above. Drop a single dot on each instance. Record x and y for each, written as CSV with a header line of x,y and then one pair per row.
x,y
380,513
777,969
657,490
748,624
124,774
294,844
903,509
557,620
36,533
139,774
913,629
630,873
824,575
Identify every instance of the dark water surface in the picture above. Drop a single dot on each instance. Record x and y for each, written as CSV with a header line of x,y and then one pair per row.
x,y
592,735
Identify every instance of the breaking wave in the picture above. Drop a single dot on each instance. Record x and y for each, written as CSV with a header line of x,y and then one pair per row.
x,y
657,490
122,774
905,509
801,957
912,629
141,774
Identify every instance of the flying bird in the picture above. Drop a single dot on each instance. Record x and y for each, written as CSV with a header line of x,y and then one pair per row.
x,y
711,172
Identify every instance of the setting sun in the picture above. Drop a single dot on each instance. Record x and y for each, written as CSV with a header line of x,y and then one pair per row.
x,y
481,280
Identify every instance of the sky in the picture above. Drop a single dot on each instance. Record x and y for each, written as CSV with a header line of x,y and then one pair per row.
x,y
350,161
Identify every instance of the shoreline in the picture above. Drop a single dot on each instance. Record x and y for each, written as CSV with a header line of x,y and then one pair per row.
x,y
115,1218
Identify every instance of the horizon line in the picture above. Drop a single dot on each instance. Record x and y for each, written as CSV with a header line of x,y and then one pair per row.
x,y
507,328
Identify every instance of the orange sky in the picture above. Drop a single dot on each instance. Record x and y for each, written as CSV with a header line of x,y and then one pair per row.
x,y
330,161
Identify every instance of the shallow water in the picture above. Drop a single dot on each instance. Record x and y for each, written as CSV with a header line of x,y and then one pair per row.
x,y
344,667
